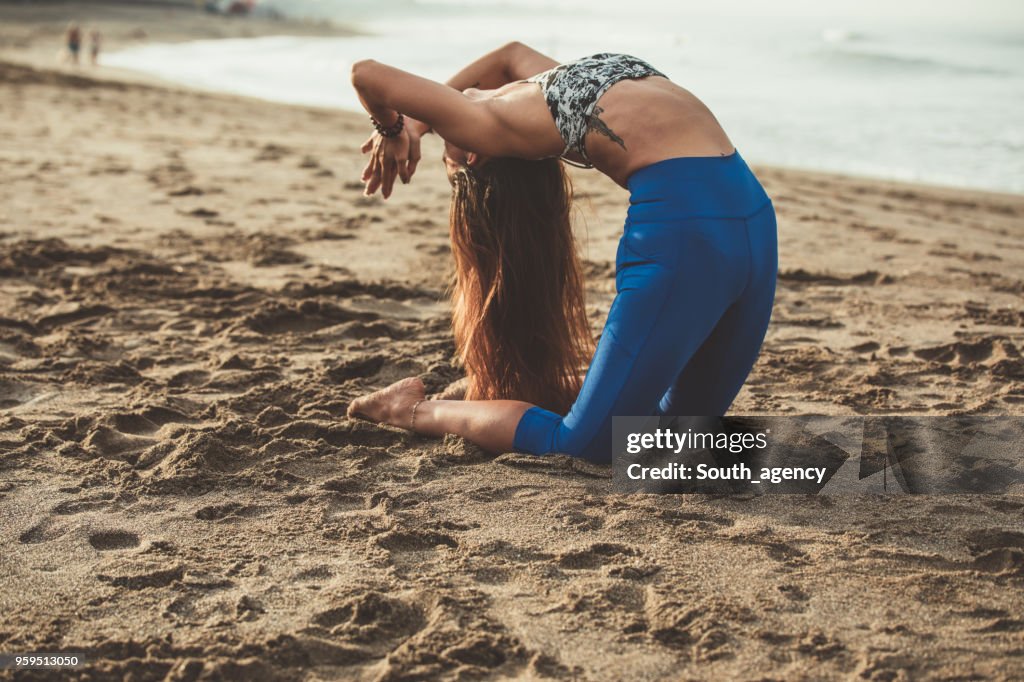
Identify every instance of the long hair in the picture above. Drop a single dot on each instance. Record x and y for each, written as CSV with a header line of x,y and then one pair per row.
x,y
518,315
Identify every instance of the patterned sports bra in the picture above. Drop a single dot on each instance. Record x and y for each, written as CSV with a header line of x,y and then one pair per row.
x,y
573,89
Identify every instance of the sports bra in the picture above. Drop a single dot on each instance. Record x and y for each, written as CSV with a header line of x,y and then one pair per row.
x,y
573,89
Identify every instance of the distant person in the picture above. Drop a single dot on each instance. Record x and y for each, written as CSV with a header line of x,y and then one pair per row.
x,y
95,44
74,42
695,269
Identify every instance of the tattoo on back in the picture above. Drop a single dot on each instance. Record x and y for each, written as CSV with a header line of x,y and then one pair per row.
x,y
597,125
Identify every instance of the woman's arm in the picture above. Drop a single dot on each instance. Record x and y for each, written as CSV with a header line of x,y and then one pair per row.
x,y
469,124
512,62
384,91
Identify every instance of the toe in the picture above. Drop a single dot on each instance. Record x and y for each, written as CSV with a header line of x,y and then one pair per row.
x,y
353,408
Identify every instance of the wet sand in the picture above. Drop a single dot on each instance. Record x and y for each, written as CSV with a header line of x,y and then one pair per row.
x,y
194,288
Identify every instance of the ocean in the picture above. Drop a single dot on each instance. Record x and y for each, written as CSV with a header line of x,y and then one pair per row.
x,y
909,90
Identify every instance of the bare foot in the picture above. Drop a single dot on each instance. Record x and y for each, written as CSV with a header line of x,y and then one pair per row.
x,y
392,405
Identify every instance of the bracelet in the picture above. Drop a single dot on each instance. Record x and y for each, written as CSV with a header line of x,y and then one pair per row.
x,y
392,130
417,404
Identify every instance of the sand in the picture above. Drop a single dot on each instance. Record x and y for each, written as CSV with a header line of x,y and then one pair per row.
x,y
192,289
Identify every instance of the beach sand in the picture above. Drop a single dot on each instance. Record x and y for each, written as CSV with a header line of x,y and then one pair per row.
x,y
194,288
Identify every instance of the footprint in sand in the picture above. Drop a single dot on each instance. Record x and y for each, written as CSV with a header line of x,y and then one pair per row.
x,y
186,191
374,330
866,278
272,152
204,213
308,316
44,531
419,540
174,173
997,551
248,608
79,313
494,494
344,484
339,505
85,504
372,619
699,625
354,433
993,538
143,576
14,393
999,355
110,443
573,516
357,368
595,556
228,511
108,540
188,378
315,573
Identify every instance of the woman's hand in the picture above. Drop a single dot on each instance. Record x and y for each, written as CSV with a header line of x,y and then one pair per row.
x,y
392,157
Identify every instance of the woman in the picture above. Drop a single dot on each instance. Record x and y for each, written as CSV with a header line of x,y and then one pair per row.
x,y
696,265
73,38
95,44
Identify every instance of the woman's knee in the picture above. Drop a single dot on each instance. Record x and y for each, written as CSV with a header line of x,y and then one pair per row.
x,y
542,432
535,433
585,441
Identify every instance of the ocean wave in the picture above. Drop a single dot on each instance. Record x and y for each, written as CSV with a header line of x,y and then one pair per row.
x,y
878,62
837,36
858,106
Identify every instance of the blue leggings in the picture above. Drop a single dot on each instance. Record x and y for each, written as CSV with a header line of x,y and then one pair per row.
x,y
695,282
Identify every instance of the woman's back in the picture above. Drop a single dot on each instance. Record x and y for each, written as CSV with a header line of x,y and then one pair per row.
x,y
656,120
633,123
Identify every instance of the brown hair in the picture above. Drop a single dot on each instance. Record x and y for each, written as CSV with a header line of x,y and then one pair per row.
x,y
520,325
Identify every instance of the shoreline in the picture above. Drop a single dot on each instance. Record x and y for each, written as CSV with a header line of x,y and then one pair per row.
x,y
182,23
32,34
137,77
864,176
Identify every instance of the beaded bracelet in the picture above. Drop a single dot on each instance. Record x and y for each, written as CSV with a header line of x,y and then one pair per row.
x,y
392,130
